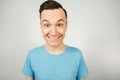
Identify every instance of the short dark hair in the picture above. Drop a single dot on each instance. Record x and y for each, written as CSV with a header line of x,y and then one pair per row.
x,y
50,5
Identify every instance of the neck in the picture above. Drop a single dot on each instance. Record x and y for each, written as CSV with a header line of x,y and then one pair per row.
x,y
55,49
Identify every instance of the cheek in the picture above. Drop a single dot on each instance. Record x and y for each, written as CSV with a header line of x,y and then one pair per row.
x,y
62,31
44,31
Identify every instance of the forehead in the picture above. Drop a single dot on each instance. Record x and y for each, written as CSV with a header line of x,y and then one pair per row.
x,y
53,15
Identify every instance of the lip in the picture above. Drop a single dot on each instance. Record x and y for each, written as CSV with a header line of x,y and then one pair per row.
x,y
54,38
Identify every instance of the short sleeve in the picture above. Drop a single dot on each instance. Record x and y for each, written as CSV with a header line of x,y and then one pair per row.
x,y
82,70
27,69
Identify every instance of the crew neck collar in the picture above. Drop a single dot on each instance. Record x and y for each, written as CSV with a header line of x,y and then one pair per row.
x,y
55,54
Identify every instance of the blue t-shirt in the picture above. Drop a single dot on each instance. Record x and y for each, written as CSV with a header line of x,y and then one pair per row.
x,y
42,65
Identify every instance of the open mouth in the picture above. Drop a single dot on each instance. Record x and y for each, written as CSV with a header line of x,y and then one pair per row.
x,y
54,38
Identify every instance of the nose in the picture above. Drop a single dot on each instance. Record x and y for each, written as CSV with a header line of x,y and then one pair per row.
x,y
53,31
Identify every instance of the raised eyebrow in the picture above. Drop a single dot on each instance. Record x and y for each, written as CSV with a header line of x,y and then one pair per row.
x,y
45,20
60,20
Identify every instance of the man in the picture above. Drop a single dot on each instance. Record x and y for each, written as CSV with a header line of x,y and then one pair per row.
x,y
54,60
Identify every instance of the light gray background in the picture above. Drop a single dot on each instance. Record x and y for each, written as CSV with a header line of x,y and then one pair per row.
x,y
94,27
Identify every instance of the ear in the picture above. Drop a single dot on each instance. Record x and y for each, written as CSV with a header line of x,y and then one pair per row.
x,y
40,24
66,25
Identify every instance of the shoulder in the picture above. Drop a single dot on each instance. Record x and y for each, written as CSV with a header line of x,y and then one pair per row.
x,y
35,51
74,50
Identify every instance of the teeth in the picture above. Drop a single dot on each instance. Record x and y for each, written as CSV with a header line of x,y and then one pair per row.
x,y
53,37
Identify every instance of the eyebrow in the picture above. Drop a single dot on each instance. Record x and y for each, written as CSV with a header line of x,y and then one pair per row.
x,y
48,20
45,20
60,20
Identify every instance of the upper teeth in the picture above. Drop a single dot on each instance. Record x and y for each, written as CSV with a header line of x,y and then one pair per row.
x,y
54,37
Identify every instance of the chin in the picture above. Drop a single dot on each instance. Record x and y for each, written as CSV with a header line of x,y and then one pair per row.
x,y
54,44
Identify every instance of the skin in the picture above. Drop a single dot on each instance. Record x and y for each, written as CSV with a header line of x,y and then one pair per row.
x,y
28,78
53,27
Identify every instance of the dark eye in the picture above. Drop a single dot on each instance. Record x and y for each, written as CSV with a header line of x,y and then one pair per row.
x,y
60,25
46,25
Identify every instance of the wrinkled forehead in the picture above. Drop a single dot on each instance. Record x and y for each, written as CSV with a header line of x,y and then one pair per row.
x,y
53,15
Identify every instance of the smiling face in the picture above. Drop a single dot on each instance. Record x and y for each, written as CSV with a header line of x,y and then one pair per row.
x,y
53,26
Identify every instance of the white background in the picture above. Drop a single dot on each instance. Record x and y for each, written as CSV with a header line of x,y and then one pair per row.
x,y
94,27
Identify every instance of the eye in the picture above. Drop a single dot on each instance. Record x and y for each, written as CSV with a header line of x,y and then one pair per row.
x,y
60,25
46,25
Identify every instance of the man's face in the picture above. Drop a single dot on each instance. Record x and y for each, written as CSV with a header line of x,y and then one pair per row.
x,y
53,26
